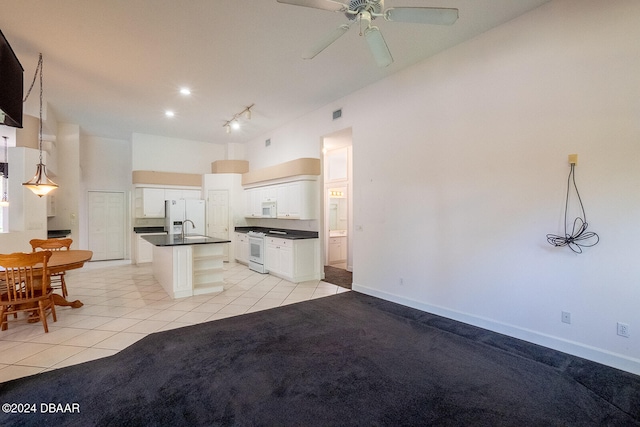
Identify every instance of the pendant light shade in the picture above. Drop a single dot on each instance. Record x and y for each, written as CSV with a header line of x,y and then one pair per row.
x,y
40,184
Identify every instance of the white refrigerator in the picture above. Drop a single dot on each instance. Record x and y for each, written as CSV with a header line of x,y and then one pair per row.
x,y
178,211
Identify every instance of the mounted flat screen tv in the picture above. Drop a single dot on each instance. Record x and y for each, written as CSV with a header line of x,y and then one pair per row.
x,y
11,85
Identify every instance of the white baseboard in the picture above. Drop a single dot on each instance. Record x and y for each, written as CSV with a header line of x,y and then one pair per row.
x,y
594,354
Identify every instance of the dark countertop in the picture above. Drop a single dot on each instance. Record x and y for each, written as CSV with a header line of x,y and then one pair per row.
x,y
177,240
278,232
148,229
54,234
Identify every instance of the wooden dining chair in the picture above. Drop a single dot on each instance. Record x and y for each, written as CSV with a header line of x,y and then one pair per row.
x,y
27,289
57,277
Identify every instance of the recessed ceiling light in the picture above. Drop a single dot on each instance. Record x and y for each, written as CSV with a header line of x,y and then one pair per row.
x,y
185,91
169,113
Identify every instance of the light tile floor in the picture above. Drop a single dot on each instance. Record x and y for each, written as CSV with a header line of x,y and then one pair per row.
x,y
123,303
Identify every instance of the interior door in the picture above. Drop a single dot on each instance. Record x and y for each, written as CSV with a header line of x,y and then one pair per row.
x,y
218,216
106,225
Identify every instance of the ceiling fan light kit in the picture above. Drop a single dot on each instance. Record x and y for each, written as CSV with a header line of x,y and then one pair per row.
x,y
367,10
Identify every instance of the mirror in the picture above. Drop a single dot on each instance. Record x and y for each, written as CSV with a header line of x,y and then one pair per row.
x,y
337,209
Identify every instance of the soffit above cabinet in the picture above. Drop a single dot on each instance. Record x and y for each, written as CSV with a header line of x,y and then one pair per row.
x,y
230,166
166,178
302,166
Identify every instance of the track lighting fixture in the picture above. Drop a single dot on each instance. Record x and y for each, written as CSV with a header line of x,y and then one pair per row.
x,y
233,122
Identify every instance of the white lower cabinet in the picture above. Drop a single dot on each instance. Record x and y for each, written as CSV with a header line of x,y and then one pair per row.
x,y
293,260
279,257
337,249
242,248
187,270
144,249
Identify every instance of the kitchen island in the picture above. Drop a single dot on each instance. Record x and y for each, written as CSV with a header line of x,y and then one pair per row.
x,y
189,265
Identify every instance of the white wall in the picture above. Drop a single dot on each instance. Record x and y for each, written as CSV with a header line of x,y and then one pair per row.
x,y
27,213
460,168
68,195
159,153
106,166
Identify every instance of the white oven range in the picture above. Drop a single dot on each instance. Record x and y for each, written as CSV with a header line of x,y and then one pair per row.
x,y
257,251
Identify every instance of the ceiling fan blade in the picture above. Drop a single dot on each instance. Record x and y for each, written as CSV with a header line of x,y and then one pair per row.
x,y
326,42
422,15
378,46
329,5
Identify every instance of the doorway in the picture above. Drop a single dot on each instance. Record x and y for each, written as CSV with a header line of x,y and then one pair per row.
x,y
106,220
338,197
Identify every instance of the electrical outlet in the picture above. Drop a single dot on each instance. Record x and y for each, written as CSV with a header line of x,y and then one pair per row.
x,y
573,159
623,330
566,317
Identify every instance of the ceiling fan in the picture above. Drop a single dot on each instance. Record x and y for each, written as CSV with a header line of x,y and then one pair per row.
x,y
365,11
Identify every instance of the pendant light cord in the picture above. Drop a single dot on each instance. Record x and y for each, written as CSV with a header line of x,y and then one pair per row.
x,y
38,72
6,153
579,236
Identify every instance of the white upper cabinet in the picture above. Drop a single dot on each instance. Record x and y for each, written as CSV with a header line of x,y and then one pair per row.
x,y
294,200
173,194
253,203
297,200
149,202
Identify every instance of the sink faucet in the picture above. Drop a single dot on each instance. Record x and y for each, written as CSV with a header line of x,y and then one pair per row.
x,y
183,223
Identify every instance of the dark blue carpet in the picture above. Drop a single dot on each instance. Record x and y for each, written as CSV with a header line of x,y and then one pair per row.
x,y
344,360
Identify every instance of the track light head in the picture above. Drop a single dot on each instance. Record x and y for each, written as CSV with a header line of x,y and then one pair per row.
x,y
233,122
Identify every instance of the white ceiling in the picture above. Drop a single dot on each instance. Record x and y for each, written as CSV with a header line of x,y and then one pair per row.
x,y
114,66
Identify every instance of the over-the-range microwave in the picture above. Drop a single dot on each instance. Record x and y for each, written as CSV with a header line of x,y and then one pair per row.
x,y
269,208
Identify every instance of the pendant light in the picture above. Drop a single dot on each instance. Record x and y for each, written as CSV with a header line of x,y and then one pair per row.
x,y
40,184
5,175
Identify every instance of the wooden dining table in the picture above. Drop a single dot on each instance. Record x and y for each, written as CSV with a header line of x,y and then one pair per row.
x,y
67,260
59,262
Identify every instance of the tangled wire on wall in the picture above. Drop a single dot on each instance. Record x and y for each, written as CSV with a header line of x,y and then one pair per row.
x,y
579,236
